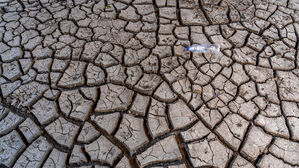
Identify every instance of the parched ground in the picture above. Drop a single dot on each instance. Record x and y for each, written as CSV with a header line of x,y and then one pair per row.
x,y
109,83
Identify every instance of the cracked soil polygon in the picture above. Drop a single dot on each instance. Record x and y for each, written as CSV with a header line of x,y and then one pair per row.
x,y
109,83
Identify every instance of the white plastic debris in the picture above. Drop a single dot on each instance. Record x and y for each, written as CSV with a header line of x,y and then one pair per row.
x,y
202,48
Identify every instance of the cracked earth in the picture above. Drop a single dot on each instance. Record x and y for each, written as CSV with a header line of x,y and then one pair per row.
x,y
109,83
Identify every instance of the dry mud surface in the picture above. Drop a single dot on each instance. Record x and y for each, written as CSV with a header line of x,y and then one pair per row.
x,y
109,83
